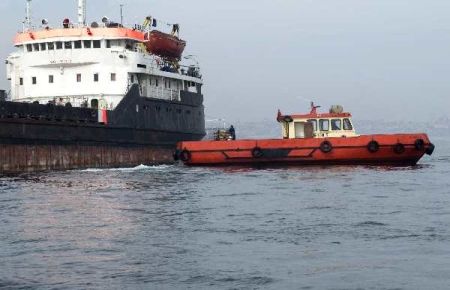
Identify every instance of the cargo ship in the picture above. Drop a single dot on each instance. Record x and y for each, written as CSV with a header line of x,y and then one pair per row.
x,y
97,95
309,139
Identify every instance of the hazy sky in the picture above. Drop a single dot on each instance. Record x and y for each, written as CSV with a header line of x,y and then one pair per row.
x,y
381,59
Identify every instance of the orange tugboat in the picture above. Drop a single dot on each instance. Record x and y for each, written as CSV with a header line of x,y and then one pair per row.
x,y
311,139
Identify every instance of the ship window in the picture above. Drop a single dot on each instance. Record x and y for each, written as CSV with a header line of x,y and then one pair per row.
x,y
59,45
108,43
51,46
324,124
87,44
43,46
29,48
132,78
141,65
50,79
156,82
113,77
36,47
78,78
314,123
336,124
97,44
95,77
34,80
348,125
21,81
68,45
77,44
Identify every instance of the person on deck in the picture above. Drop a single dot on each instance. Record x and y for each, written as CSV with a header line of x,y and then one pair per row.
x,y
232,132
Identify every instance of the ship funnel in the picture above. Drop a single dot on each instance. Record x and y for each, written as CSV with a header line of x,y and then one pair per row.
x,y
82,12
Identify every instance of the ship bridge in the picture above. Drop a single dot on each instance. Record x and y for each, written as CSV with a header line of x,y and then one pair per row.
x,y
86,65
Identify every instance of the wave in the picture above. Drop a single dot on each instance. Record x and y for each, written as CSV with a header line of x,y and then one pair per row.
x,y
129,169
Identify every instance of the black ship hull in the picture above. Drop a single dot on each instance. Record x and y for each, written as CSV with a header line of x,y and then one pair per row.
x,y
138,131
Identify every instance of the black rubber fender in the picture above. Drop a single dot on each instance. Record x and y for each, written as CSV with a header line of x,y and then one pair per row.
x,y
257,152
419,145
373,146
399,148
326,147
185,155
176,155
430,149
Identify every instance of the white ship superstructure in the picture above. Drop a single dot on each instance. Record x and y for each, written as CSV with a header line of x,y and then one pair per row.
x,y
91,65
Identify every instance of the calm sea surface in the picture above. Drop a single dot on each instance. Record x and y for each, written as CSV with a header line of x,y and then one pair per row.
x,y
172,227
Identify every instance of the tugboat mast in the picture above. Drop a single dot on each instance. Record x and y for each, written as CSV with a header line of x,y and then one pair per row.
x,y
82,12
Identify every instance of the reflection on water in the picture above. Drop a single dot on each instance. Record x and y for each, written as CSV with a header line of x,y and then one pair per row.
x,y
172,227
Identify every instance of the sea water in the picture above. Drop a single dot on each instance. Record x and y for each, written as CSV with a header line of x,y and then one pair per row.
x,y
176,227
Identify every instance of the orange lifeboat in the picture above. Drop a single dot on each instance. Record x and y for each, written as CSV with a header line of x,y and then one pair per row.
x,y
164,44
311,139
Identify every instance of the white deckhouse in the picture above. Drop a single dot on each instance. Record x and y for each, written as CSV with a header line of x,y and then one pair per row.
x,y
93,65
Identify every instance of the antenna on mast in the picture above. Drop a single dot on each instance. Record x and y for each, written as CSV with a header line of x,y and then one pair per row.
x,y
28,15
82,12
121,14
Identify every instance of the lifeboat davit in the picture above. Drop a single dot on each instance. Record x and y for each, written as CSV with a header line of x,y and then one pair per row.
x,y
311,139
164,44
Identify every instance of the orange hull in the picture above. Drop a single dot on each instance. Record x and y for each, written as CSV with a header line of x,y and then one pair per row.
x,y
398,149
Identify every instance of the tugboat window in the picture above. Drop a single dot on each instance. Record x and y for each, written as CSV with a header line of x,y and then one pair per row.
x,y
97,44
29,48
113,77
51,46
50,79
43,46
87,44
34,80
336,124
21,81
324,124
59,45
77,44
314,123
348,125
78,78
95,77
36,46
68,45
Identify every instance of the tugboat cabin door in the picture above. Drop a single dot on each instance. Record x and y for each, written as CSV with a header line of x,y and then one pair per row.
x,y
303,130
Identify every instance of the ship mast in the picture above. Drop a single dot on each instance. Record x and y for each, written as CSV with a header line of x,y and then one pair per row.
x,y
82,12
28,15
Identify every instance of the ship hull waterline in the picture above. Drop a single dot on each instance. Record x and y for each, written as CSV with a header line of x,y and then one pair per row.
x,y
140,130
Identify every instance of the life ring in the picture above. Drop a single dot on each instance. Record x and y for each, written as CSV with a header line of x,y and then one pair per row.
x,y
185,155
326,147
373,146
419,145
257,152
399,148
